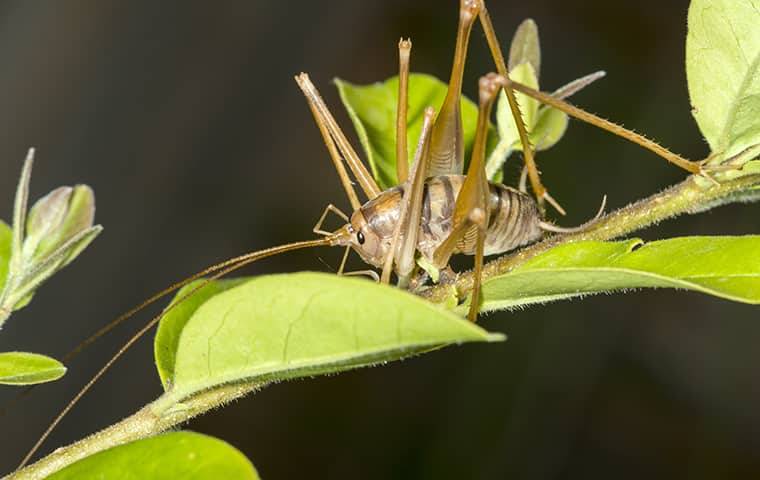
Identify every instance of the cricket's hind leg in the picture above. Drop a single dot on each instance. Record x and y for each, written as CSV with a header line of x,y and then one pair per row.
x,y
447,137
618,130
471,213
541,193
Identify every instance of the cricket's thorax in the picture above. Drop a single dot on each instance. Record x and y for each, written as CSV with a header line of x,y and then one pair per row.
x,y
514,219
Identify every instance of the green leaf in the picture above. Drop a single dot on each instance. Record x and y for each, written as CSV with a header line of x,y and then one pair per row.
x,y
56,218
372,109
723,70
40,271
287,326
525,74
185,455
727,267
6,238
192,296
551,125
525,47
22,368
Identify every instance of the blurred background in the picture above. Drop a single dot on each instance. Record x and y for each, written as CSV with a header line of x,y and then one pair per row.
x,y
185,119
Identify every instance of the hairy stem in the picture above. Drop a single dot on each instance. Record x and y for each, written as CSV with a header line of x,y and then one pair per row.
x,y
158,416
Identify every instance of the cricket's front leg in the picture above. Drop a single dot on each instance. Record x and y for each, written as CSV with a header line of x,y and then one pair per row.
x,y
410,215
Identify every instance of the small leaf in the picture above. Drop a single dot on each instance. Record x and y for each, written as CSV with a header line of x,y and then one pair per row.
x,y
372,109
170,328
505,121
21,368
185,455
45,216
723,71
6,238
20,203
56,218
287,326
571,88
525,47
37,273
727,267
551,125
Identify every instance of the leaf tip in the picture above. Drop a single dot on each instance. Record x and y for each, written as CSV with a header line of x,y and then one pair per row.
x,y
495,337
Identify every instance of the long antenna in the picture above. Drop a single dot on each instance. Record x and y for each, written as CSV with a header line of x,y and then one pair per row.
x,y
231,265
124,317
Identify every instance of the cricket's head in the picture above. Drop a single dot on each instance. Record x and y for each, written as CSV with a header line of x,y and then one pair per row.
x,y
370,228
362,238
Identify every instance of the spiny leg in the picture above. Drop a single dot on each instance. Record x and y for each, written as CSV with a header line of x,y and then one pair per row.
x,y
411,210
447,138
471,210
584,116
528,154
323,116
402,162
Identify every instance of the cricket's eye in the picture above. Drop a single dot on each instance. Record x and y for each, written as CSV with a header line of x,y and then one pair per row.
x,y
360,238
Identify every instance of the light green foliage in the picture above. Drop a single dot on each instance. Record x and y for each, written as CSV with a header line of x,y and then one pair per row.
x,y
727,267
6,237
56,229
22,368
177,455
526,47
545,125
286,326
56,218
723,70
372,109
187,301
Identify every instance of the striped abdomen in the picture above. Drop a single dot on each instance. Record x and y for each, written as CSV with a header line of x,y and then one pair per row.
x,y
514,218
513,221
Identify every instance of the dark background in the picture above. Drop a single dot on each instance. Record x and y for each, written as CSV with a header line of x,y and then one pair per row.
x,y
185,119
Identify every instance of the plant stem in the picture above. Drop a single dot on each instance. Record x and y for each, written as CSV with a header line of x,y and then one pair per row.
x,y
158,416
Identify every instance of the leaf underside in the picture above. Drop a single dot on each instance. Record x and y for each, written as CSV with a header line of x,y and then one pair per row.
x,y
723,71
727,267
